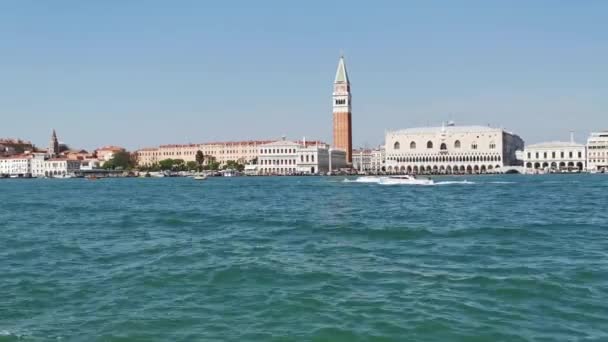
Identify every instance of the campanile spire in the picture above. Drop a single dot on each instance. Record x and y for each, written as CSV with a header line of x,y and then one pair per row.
x,y
342,132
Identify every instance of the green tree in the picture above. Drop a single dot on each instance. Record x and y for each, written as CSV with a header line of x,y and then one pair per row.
x,y
166,164
179,165
200,158
192,165
231,164
120,160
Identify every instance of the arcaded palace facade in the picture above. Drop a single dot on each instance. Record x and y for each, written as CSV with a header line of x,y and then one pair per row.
x,y
450,149
555,156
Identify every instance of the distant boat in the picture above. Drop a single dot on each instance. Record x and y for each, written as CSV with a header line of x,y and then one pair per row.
x,y
92,177
230,173
404,180
199,177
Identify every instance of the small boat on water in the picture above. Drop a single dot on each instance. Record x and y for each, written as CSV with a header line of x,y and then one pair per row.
x,y
394,180
199,177
369,179
405,180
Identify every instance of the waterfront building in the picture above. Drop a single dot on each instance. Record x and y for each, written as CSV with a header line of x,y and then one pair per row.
x,y
342,121
37,165
556,156
451,149
286,157
240,151
91,164
597,151
369,160
107,152
54,167
16,166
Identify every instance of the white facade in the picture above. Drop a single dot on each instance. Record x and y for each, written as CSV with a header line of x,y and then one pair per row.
x,y
450,149
597,151
60,167
20,166
557,156
91,164
289,158
369,161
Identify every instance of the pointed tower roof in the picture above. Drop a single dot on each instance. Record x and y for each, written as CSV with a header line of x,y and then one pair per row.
x,y
341,74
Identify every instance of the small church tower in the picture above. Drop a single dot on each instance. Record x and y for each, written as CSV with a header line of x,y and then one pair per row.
x,y
53,150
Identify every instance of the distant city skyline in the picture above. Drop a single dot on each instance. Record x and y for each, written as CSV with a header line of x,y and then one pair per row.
x,y
140,74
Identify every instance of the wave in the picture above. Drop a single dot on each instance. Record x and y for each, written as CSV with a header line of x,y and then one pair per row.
x,y
7,333
466,182
379,180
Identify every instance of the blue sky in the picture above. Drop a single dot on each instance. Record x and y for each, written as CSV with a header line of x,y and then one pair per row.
x,y
143,73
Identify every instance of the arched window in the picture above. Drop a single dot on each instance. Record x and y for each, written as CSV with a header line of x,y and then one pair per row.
x,y
429,144
474,146
443,146
397,145
457,144
412,145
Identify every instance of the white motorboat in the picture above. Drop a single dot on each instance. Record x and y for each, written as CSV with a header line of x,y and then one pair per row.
x,y
199,177
405,180
369,179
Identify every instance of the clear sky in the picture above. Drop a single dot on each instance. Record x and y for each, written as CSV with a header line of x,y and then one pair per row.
x,y
143,73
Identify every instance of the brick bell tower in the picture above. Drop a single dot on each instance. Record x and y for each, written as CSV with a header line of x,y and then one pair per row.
x,y
343,133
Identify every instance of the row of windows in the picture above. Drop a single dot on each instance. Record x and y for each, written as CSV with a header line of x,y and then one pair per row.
x,y
445,159
276,169
303,158
443,146
554,165
278,162
442,169
278,150
340,101
191,153
593,147
554,155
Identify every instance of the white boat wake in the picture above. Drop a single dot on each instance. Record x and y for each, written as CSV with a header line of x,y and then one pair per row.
x,y
403,180
454,182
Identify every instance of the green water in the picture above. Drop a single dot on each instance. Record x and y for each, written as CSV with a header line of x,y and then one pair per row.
x,y
497,258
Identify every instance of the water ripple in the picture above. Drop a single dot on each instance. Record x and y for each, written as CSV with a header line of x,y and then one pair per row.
x,y
506,258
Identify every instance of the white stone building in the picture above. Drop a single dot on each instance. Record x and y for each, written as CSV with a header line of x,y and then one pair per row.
x,y
451,150
369,160
16,166
556,156
286,157
597,152
61,167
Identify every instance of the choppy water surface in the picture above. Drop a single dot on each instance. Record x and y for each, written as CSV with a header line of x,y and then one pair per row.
x,y
497,258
